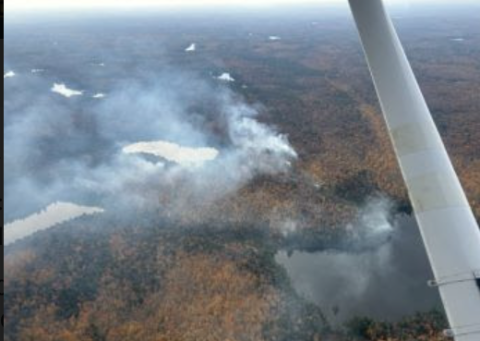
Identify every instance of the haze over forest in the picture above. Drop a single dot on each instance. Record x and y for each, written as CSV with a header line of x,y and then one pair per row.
x,y
201,175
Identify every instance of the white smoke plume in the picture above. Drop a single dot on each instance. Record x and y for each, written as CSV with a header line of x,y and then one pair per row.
x,y
77,149
380,272
373,226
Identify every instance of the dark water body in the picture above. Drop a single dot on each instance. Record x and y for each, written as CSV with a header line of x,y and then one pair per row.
x,y
385,283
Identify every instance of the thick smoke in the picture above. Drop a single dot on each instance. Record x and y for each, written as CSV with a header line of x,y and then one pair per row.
x,y
65,148
381,272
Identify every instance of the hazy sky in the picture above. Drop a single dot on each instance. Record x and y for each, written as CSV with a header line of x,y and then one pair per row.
x,y
53,4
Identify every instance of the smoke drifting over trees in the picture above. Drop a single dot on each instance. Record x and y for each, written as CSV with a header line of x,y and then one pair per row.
x,y
298,163
382,275
71,149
